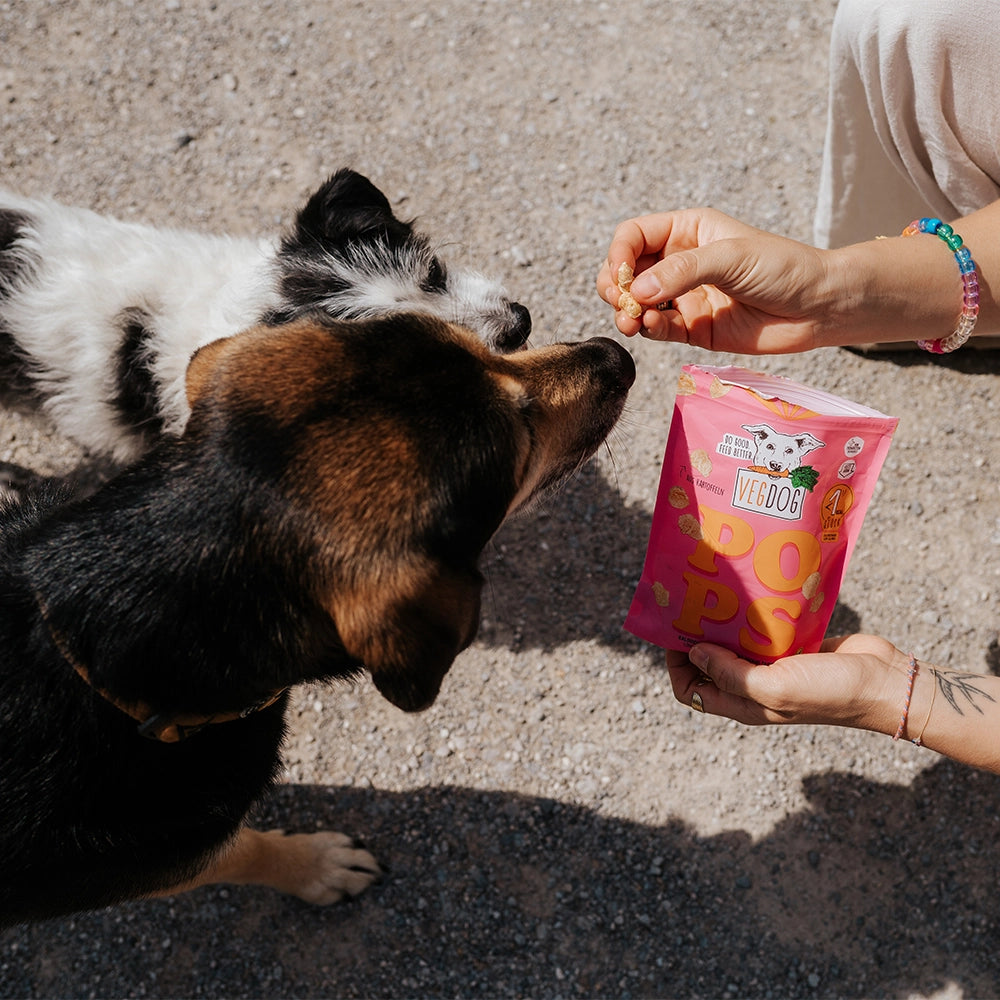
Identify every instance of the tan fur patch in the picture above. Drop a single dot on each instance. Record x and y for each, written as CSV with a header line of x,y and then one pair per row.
x,y
202,366
321,868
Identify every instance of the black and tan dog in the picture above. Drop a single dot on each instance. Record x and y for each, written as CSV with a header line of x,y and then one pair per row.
x,y
323,514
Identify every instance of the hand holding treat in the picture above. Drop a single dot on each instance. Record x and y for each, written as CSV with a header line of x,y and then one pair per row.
x,y
706,279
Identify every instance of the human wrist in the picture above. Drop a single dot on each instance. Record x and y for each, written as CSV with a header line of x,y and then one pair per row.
x,y
894,700
891,289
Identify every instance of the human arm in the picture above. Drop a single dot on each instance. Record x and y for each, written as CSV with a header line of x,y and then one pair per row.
x,y
743,290
858,682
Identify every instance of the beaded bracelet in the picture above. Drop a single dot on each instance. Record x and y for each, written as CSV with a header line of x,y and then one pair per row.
x,y
970,284
910,676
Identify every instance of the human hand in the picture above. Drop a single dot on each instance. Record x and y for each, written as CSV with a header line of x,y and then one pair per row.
x,y
734,288
857,681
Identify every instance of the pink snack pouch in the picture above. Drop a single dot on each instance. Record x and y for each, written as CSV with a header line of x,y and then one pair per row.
x,y
764,487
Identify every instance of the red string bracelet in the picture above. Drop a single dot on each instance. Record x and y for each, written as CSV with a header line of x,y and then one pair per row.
x,y
910,677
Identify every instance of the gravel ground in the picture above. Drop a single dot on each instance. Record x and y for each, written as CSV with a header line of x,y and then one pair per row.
x,y
556,825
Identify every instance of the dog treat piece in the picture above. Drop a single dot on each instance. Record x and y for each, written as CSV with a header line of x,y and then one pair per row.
x,y
810,586
626,302
685,385
661,595
628,305
817,602
625,276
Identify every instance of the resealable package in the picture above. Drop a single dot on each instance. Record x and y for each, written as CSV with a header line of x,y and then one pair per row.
x,y
764,488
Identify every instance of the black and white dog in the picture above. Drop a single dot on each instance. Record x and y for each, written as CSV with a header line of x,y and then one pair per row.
x,y
99,318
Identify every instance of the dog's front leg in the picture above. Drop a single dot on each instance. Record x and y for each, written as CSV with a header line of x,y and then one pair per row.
x,y
320,868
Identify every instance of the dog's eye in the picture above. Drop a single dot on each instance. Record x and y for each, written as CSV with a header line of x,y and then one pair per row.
x,y
437,277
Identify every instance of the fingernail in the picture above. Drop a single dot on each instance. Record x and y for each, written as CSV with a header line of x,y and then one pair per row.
x,y
698,657
646,286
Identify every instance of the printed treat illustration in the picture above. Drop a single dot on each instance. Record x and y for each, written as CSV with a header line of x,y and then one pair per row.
x,y
764,487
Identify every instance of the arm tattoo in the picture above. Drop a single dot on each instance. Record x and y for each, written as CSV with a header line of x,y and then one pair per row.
x,y
960,687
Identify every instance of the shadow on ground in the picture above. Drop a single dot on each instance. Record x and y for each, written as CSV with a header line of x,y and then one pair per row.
x,y
968,362
566,571
874,890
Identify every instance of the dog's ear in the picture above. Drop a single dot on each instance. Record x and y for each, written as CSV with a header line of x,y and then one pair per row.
x,y
408,633
347,204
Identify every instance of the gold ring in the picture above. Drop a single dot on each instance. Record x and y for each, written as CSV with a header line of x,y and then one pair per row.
x,y
664,306
696,703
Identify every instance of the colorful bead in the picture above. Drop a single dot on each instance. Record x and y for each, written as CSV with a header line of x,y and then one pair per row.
x,y
970,284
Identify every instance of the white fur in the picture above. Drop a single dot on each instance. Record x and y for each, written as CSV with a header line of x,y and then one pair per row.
x,y
381,284
84,270
197,289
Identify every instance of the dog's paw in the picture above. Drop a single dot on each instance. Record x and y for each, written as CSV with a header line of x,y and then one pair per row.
x,y
323,868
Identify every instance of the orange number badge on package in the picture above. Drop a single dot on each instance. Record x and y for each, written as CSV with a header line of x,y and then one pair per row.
x,y
764,486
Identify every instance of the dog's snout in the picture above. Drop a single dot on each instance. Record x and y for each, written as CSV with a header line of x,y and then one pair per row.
x,y
516,335
616,361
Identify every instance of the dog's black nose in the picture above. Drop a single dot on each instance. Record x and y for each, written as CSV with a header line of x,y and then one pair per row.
x,y
516,335
617,362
